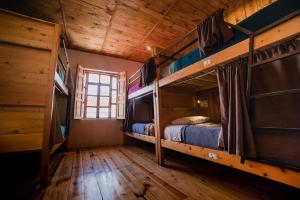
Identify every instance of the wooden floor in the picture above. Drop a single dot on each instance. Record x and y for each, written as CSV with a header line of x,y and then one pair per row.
x,y
130,172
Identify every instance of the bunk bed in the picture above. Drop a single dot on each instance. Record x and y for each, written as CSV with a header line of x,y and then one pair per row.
x,y
140,91
193,70
139,121
29,50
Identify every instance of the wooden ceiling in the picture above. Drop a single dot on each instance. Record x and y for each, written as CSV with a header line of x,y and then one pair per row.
x,y
125,28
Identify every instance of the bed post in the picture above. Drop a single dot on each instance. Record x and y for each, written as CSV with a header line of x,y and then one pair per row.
x,y
156,99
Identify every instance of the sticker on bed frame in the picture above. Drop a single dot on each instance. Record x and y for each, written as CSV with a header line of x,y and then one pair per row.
x,y
213,156
207,62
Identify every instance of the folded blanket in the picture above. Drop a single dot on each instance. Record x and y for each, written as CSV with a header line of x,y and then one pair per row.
x,y
134,88
173,132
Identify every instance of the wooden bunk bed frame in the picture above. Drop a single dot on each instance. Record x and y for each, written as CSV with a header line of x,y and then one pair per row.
x,y
30,52
145,138
140,92
64,68
281,30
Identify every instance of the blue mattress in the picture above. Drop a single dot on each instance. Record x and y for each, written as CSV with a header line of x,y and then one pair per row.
x,y
139,128
255,22
201,136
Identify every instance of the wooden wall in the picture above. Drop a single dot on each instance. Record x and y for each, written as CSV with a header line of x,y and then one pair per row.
x,y
176,102
27,72
210,104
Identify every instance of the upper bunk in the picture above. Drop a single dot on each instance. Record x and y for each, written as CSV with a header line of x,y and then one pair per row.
x,y
134,88
256,32
141,82
62,69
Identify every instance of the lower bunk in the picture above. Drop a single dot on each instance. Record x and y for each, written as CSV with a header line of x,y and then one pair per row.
x,y
283,175
143,131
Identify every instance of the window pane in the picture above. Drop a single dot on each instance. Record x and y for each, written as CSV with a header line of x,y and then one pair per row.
x,y
90,112
114,83
114,96
104,101
91,101
113,111
94,78
92,89
104,90
104,79
103,112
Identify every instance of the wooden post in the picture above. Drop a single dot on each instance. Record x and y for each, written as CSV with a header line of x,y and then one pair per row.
x,y
156,99
49,107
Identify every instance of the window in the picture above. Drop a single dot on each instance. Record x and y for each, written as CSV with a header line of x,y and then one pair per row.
x,y
100,99
99,94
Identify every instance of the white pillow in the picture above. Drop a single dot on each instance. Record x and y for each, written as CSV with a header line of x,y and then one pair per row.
x,y
190,120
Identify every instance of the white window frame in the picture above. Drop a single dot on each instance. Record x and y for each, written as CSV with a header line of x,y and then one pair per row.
x,y
98,95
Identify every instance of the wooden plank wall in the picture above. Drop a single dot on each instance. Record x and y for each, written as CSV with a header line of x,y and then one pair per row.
x,y
176,102
25,57
210,104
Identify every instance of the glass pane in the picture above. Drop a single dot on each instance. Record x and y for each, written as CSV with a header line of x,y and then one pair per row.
x,y
114,83
104,90
104,101
103,112
94,78
104,79
91,101
90,112
113,111
92,89
114,96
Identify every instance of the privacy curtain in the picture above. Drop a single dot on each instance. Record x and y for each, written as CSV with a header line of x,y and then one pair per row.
x,y
276,118
148,72
127,124
236,128
213,33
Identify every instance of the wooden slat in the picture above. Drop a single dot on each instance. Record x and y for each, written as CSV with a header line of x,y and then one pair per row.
x,y
20,142
287,176
140,92
146,138
23,79
25,31
275,34
21,120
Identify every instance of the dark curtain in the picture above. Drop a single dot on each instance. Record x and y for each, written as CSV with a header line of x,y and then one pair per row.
x,y
127,123
213,33
276,118
236,128
148,72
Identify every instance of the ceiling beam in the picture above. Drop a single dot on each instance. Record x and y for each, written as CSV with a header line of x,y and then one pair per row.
x,y
62,11
112,15
155,25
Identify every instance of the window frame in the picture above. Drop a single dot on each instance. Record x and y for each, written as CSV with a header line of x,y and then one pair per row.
x,y
111,75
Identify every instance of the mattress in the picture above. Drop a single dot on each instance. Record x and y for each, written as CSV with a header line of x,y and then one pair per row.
x,y
207,135
254,23
144,128
134,88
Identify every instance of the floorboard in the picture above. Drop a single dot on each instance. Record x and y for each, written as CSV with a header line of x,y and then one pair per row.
x,y
130,172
